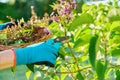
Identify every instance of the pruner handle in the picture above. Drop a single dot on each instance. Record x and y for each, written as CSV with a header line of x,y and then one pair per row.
x,y
61,39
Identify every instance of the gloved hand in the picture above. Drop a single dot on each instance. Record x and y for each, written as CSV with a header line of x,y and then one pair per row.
x,y
42,53
4,25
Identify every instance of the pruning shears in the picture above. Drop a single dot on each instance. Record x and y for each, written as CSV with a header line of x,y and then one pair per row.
x,y
62,39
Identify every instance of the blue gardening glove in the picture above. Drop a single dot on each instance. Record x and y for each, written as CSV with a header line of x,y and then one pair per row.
x,y
41,53
4,25
9,24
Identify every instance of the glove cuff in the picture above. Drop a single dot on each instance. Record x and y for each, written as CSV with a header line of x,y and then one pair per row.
x,y
23,55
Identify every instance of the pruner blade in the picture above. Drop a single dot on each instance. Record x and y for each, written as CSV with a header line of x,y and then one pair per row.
x,y
62,39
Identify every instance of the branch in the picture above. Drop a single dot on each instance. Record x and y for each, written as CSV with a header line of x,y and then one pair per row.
x,y
73,55
73,72
69,72
65,30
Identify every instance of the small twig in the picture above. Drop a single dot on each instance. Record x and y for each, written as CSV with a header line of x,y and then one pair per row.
x,y
73,72
114,66
69,72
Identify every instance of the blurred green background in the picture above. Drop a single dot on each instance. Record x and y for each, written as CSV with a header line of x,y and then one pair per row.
x,y
21,8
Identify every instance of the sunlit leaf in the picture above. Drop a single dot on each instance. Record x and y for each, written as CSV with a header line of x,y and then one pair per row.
x,y
83,38
77,33
115,39
85,7
114,14
115,26
3,36
78,43
28,74
62,77
82,19
92,50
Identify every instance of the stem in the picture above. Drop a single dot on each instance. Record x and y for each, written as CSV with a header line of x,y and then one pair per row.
x,y
73,55
72,52
65,30
105,46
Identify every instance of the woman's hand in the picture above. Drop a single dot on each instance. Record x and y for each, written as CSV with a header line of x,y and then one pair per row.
x,y
40,53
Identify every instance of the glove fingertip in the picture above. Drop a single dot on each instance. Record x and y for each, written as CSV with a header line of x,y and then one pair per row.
x,y
50,41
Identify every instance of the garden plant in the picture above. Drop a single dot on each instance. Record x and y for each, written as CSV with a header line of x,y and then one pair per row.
x,y
93,47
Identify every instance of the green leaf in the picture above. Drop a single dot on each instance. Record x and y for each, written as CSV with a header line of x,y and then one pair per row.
x,y
115,26
118,75
18,42
62,52
13,69
79,76
54,25
115,39
79,20
3,36
83,38
114,14
77,33
63,76
30,67
116,52
92,50
28,73
100,69
78,43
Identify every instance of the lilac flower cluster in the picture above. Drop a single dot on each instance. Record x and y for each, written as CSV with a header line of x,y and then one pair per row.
x,y
64,10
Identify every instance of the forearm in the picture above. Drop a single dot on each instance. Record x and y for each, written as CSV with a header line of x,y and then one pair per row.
x,y
6,59
43,53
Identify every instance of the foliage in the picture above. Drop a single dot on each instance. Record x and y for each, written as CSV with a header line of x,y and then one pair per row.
x,y
21,8
93,46
93,49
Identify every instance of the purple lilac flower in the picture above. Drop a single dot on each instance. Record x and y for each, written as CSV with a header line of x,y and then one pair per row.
x,y
64,9
74,4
